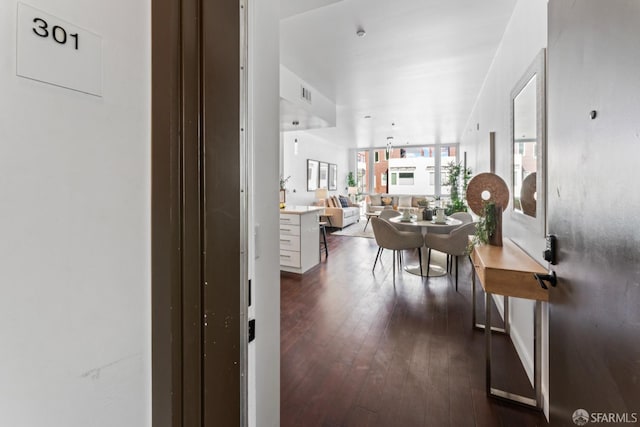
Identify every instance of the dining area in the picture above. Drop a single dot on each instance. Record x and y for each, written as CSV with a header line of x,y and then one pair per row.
x,y
425,232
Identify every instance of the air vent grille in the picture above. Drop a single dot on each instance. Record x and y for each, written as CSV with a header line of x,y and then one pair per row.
x,y
305,94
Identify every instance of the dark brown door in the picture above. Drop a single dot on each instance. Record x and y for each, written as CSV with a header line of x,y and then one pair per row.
x,y
594,206
221,203
196,268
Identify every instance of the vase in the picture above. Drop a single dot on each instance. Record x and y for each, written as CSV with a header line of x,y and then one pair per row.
x,y
496,237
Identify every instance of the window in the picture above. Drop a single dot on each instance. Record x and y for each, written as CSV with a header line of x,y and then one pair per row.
x,y
363,171
405,178
379,170
447,156
412,169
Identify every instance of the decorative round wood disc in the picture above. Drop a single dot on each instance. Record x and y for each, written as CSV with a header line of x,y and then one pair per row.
x,y
527,195
495,187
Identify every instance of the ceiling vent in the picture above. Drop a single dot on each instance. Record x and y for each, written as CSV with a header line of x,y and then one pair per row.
x,y
305,94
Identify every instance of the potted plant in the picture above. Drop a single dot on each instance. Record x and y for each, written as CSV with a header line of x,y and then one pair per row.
x,y
458,180
489,228
283,182
283,190
351,180
352,189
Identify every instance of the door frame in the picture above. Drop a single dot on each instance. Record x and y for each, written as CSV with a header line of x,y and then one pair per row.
x,y
198,302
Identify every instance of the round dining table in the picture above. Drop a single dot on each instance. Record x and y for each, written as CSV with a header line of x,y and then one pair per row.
x,y
425,226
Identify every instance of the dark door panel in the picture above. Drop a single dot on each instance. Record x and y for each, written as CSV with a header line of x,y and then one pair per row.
x,y
593,205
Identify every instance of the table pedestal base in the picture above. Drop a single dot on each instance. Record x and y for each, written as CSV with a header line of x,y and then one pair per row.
x,y
435,268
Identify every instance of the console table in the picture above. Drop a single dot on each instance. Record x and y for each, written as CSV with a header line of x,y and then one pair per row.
x,y
508,271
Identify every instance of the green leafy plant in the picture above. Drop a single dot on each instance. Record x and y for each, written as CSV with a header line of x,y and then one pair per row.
x,y
486,225
351,181
283,182
458,179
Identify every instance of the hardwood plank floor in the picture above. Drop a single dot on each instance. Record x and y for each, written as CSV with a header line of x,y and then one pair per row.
x,y
355,351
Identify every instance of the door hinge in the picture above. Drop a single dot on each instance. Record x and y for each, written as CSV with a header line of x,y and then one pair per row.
x,y
252,330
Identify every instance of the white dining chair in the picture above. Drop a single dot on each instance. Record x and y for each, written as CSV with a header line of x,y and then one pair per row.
x,y
453,244
389,237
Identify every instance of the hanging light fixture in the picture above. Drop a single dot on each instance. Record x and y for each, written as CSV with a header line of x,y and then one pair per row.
x,y
390,142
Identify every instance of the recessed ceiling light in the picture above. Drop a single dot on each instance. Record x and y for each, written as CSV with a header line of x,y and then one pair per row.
x,y
361,32
367,117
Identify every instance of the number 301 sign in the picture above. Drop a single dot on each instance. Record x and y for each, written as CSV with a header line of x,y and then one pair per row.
x,y
58,33
54,51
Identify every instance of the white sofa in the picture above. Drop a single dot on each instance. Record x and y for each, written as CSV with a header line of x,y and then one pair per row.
x,y
378,202
341,216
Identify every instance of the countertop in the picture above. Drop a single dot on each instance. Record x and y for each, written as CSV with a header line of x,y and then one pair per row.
x,y
300,210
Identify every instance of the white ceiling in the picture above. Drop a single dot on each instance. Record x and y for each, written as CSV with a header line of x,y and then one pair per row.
x,y
421,64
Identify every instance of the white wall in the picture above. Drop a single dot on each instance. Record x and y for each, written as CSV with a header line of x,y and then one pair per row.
x,y
264,352
320,106
524,36
74,226
315,148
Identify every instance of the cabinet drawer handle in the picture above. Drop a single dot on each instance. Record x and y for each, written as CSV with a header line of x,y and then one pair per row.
x,y
285,256
285,240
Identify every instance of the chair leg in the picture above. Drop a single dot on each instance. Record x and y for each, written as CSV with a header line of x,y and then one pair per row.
x,y
420,260
324,239
394,268
377,256
456,273
428,262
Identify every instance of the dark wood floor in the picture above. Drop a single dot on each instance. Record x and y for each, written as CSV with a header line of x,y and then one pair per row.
x,y
357,352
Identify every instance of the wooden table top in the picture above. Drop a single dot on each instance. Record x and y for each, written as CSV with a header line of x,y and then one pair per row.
x,y
508,270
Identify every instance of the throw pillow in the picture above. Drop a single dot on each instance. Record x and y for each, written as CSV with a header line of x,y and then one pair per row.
x,y
375,200
415,202
386,201
336,202
404,201
344,202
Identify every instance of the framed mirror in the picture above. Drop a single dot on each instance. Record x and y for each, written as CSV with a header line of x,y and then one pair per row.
x,y
333,176
528,145
324,175
312,175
